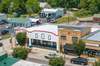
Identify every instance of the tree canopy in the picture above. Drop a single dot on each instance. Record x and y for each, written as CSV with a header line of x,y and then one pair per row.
x,y
19,6
21,38
56,61
79,47
90,5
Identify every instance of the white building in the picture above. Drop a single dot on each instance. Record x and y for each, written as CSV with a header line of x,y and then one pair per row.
x,y
52,13
45,36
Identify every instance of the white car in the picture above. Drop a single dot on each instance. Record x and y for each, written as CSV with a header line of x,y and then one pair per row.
x,y
52,55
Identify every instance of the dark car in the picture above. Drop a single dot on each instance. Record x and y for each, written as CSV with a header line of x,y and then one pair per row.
x,y
79,60
4,32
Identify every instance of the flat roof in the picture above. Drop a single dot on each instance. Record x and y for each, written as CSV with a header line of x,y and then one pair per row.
x,y
45,27
96,15
73,27
49,10
94,36
27,63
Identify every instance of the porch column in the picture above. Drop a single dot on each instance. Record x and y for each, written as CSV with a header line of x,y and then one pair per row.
x,y
30,42
58,45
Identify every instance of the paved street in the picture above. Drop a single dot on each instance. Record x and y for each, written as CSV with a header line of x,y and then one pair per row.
x,y
37,55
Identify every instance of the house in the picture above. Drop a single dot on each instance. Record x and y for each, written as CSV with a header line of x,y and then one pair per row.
x,y
21,22
96,18
52,14
3,16
92,41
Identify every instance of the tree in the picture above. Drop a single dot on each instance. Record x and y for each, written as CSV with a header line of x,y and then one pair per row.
x,y
21,38
97,63
79,47
32,6
20,52
56,61
19,6
4,6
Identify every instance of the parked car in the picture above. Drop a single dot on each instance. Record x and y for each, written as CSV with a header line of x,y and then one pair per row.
x,y
4,32
79,60
52,55
0,38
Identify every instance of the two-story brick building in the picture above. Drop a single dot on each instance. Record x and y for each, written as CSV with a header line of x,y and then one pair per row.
x,y
69,34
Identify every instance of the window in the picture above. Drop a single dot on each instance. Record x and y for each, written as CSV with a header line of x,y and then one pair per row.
x,y
36,35
63,37
43,36
74,39
49,37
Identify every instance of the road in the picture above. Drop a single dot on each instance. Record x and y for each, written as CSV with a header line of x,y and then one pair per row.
x,y
37,55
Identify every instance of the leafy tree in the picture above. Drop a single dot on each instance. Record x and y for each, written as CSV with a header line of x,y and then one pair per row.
x,y
32,6
20,52
4,6
19,6
56,61
21,38
79,47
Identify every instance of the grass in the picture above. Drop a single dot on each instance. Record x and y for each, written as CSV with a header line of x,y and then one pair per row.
x,y
6,36
82,13
65,19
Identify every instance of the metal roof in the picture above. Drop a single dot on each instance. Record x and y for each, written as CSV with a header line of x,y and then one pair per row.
x,y
74,27
94,36
18,20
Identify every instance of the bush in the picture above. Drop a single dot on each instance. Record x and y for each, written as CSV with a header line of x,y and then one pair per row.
x,y
20,52
56,61
83,13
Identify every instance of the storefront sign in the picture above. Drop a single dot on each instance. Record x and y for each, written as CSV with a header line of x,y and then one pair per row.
x,y
90,44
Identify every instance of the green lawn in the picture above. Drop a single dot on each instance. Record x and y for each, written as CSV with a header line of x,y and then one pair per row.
x,y
65,19
6,36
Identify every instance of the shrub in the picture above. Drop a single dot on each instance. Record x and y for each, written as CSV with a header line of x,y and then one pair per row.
x,y
56,61
20,52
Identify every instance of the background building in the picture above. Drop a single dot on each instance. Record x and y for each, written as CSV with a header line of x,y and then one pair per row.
x,y
92,43
71,33
52,14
